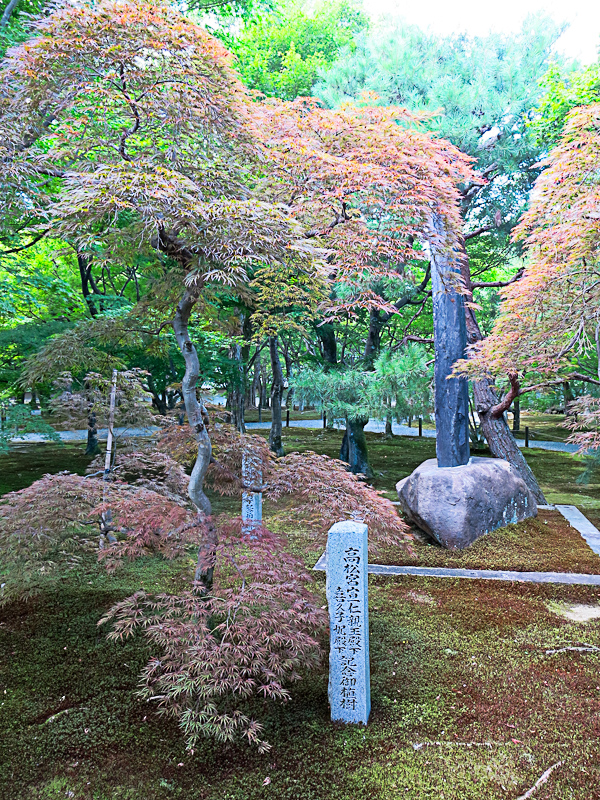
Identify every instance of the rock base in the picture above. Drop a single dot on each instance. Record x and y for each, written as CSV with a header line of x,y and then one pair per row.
x,y
457,505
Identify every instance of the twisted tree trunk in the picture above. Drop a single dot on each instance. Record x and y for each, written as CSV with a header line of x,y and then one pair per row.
x,y
198,421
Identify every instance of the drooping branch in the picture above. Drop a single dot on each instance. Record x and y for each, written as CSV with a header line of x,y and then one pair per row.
x,y
35,240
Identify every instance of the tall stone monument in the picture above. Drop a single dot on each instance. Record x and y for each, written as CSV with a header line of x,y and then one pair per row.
x,y
455,498
450,342
347,598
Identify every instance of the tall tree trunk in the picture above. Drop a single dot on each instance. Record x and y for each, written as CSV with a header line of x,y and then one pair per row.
x,y
516,415
373,343
354,447
389,433
238,394
198,421
256,390
264,397
496,431
7,13
92,447
276,396
569,396
326,334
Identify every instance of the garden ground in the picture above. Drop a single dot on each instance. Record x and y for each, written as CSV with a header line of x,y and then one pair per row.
x,y
468,704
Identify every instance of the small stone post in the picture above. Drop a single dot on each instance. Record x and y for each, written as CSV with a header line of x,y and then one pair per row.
x,y
251,501
347,597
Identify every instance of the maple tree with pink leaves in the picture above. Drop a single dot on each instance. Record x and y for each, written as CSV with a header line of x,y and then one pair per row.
x,y
213,188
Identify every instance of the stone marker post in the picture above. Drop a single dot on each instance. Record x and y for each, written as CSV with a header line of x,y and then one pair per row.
x,y
347,597
251,501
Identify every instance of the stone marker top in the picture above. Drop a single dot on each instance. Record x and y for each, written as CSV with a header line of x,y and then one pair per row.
x,y
348,526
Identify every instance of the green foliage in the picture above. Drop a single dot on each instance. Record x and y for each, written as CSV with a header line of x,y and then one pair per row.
x,y
402,384
399,385
17,420
281,55
341,394
470,86
564,91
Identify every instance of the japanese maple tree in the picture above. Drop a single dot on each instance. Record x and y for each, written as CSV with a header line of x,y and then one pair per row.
x,y
548,330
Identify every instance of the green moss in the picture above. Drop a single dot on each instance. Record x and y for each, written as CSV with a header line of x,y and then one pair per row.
x,y
26,463
467,703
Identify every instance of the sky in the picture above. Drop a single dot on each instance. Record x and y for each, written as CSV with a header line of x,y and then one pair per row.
x,y
478,17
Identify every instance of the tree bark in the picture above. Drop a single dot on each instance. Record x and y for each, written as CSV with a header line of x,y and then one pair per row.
x,y
389,433
276,397
373,343
326,334
238,395
516,415
568,394
354,447
264,397
198,421
7,13
92,448
496,431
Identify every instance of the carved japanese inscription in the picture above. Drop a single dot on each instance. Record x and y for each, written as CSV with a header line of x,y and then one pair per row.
x,y
347,596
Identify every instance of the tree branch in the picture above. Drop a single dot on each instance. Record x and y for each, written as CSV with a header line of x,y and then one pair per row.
x,y
489,284
7,13
514,391
473,234
25,246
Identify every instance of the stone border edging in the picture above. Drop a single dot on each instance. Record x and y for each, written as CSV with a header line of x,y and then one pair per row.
x,y
572,514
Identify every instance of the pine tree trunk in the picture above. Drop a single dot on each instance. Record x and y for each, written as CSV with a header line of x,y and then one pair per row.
x,y
389,433
92,448
499,438
326,334
569,396
516,415
276,397
354,447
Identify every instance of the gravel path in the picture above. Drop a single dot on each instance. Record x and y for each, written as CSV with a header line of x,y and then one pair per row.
x,y
81,436
374,426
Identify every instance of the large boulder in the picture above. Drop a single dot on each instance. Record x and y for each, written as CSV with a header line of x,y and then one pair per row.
x,y
457,505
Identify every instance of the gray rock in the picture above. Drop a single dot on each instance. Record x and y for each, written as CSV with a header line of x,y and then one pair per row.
x,y
457,505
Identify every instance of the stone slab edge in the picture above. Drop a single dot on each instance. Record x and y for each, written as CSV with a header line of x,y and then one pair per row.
x,y
572,514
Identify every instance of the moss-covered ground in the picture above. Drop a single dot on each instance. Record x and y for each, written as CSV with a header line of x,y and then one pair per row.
x,y
468,704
